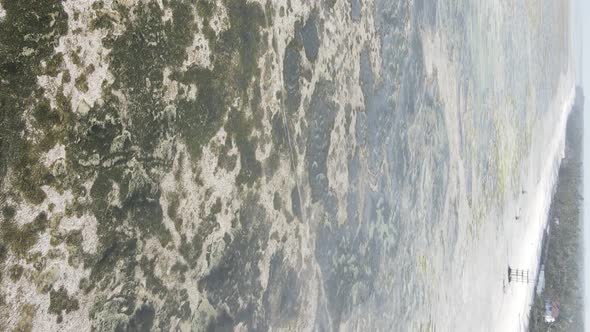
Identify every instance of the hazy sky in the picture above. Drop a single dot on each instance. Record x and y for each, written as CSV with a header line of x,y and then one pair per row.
x,y
582,38
582,27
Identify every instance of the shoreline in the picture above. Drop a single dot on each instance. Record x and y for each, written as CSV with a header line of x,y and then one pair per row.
x,y
562,242
526,238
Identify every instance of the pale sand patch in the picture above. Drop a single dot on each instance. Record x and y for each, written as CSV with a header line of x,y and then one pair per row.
x,y
56,274
26,213
2,13
198,53
170,86
92,52
220,20
56,153
87,223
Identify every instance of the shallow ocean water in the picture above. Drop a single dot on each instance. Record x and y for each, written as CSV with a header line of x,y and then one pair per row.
x,y
461,128
234,165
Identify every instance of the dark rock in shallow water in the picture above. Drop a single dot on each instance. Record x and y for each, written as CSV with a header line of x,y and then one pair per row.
x,y
291,74
143,319
296,202
311,42
321,115
355,10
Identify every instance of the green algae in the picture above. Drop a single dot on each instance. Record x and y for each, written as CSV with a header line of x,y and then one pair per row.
x,y
19,239
82,83
60,301
241,130
66,77
15,272
152,282
55,65
28,25
191,250
132,213
180,269
161,44
103,20
205,10
277,201
8,212
229,79
73,242
173,205
27,314
225,160
52,124
117,247
200,119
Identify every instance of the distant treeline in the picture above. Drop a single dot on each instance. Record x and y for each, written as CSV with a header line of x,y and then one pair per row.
x,y
564,255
